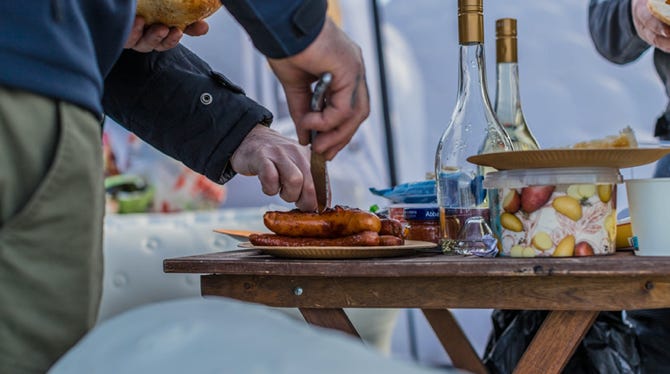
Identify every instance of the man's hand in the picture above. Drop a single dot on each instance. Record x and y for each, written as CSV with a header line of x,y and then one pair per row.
x,y
145,38
281,164
649,28
348,102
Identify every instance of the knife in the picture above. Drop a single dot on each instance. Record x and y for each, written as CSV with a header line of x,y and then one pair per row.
x,y
317,160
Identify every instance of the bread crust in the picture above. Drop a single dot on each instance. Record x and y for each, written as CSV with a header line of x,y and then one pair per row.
x,y
625,139
660,9
176,13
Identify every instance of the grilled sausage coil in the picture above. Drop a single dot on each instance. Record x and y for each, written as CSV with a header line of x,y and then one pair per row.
x,y
332,223
387,240
391,226
362,239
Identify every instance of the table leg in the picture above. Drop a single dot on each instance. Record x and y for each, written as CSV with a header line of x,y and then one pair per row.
x,y
556,341
331,318
454,340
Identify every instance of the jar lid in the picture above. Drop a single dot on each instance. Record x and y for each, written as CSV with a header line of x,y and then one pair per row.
x,y
422,213
517,178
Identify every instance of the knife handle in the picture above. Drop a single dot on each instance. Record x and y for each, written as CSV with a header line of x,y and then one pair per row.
x,y
318,98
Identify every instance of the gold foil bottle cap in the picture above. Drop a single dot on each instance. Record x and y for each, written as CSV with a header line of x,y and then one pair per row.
x,y
506,27
470,6
506,41
470,21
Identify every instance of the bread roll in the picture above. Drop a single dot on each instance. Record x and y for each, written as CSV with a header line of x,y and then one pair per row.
x,y
660,9
176,13
625,139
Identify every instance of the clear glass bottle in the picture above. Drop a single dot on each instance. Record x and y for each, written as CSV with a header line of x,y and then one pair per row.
x,y
507,105
473,129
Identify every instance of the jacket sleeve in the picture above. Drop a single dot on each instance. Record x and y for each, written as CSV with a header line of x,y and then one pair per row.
x,y
176,103
613,32
279,28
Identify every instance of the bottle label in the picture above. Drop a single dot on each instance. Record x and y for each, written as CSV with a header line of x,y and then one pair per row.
x,y
422,214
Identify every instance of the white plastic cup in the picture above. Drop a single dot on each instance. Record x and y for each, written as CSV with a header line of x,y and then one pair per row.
x,y
649,208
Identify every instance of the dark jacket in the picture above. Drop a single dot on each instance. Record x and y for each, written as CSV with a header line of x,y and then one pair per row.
x,y
72,50
615,38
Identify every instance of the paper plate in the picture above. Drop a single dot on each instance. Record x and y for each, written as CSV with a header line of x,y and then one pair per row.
x,y
408,248
558,158
237,234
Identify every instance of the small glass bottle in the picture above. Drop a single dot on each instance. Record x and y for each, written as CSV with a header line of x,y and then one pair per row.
x,y
473,129
507,105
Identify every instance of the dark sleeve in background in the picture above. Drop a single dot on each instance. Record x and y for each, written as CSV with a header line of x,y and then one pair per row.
x,y
279,28
613,32
176,103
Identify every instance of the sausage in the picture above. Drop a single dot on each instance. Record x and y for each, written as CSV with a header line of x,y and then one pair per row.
x,y
387,240
362,239
332,223
391,226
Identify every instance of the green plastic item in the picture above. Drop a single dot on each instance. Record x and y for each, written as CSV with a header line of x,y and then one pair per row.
x,y
131,192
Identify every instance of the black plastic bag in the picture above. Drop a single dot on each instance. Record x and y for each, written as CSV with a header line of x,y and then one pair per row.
x,y
610,345
653,334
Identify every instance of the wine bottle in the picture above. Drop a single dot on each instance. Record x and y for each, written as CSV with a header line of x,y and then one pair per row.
x,y
507,105
473,129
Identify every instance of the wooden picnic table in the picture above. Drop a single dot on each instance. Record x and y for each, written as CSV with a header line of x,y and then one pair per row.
x,y
574,290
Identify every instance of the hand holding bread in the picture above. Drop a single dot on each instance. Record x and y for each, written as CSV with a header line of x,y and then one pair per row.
x,y
651,19
159,37
160,24
660,9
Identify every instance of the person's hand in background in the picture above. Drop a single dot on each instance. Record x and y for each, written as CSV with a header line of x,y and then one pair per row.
x,y
649,28
147,38
281,164
348,102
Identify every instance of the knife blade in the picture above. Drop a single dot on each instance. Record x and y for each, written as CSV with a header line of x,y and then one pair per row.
x,y
317,160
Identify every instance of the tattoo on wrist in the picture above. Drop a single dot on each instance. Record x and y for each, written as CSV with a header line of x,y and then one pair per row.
x,y
354,94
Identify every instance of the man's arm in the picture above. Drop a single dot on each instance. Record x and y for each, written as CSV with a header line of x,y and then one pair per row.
x,y
176,103
613,31
279,29
301,45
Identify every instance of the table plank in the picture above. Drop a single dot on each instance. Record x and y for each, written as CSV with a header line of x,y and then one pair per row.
x,y
540,293
251,261
334,318
555,342
454,340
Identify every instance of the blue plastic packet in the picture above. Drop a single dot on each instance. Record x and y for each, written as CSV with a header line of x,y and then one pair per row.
x,y
409,193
